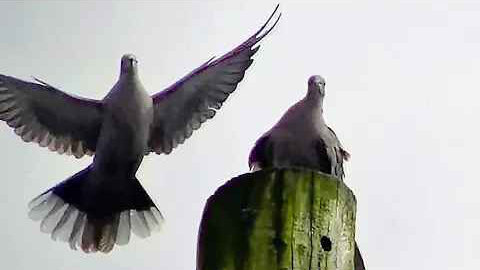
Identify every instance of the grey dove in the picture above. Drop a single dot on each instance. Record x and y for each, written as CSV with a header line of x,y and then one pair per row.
x,y
302,139
101,205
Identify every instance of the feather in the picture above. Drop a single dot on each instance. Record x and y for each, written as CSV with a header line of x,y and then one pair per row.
x,y
192,100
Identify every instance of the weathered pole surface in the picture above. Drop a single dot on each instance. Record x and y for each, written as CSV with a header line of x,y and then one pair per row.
x,y
278,219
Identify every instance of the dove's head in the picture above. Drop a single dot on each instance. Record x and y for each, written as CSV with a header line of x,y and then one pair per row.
x,y
128,64
316,85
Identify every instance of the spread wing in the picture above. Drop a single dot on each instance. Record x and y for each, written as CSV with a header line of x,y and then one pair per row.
x,y
184,106
43,114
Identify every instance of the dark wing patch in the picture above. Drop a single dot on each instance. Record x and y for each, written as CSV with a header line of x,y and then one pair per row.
x,y
338,165
340,154
261,156
345,155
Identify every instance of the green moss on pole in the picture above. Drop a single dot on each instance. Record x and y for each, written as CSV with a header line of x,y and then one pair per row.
x,y
278,219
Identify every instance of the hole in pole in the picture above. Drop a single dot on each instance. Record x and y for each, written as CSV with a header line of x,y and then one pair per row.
x,y
326,243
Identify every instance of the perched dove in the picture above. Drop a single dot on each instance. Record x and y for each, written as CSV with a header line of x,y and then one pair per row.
x,y
302,139
99,206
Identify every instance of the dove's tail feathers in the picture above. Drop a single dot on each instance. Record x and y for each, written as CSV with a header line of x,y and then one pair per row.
x,y
93,218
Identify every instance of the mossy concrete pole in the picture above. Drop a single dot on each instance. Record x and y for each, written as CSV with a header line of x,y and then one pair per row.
x,y
278,220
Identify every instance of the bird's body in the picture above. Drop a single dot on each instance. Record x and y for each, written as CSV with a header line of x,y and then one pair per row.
x,y
302,139
298,121
99,206
128,117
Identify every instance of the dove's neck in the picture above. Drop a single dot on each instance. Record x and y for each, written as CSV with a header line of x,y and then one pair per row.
x,y
128,82
128,76
128,72
315,98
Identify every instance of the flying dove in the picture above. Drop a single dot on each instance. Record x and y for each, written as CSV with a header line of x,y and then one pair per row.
x,y
99,206
302,139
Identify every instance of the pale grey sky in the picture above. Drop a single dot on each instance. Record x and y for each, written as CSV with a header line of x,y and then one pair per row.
x,y
402,95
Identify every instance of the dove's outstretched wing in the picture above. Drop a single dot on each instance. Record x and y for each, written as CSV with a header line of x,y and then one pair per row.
x,y
43,114
184,106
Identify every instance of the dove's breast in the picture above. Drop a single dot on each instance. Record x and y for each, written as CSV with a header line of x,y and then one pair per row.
x,y
296,136
126,126
130,106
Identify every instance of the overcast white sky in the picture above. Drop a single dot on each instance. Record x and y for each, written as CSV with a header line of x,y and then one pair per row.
x,y
402,95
